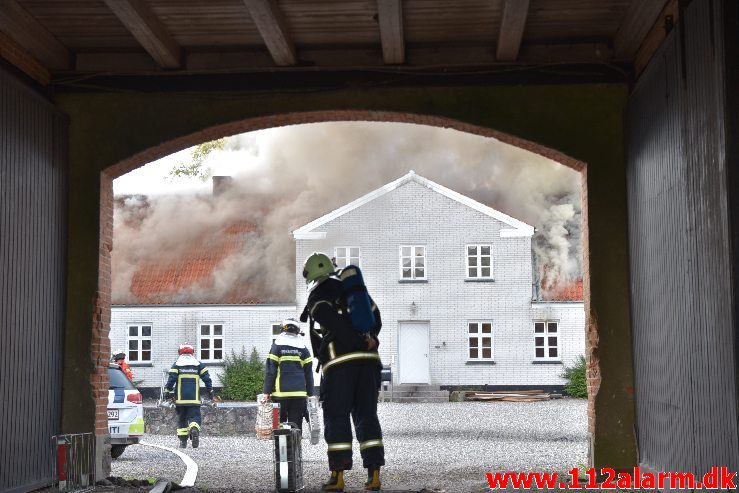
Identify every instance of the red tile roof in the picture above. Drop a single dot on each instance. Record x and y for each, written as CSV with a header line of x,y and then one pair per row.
x,y
187,279
564,291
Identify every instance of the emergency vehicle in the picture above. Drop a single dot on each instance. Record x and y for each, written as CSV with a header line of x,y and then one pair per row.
x,y
125,411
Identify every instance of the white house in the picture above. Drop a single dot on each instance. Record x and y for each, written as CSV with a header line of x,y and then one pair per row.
x,y
451,276
453,281
151,334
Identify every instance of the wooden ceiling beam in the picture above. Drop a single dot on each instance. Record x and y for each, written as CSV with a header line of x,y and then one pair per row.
x,y
638,21
512,24
20,58
26,31
148,30
418,57
273,29
390,18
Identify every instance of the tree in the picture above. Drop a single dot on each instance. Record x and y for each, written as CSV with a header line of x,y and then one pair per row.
x,y
198,154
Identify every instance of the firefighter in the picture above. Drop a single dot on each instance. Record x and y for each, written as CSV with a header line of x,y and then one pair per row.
x,y
120,358
351,375
288,376
184,385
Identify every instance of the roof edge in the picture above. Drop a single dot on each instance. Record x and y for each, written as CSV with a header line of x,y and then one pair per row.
x,y
519,228
200,306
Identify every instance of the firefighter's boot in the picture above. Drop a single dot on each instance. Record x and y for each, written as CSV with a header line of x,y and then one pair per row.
x,y
195,437
373,479
335,483
183,442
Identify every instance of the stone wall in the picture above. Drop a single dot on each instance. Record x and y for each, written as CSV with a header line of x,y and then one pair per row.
x,y
218,421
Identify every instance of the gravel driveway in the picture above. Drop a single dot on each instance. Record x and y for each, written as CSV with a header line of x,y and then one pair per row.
x,y
445,446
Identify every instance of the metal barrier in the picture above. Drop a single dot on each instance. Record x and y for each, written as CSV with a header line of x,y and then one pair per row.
x,y
75,461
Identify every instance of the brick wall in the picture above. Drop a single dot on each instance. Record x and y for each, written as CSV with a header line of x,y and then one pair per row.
x,y
101,317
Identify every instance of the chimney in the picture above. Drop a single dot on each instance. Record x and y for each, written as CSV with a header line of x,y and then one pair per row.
x,y
221,184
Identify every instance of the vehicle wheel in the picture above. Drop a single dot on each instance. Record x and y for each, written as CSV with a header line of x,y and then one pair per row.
x,y
117,450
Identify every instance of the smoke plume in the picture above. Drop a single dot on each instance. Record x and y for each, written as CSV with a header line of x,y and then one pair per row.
x,y
292,175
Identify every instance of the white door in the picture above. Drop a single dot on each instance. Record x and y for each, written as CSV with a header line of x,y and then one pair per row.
x,y
413,353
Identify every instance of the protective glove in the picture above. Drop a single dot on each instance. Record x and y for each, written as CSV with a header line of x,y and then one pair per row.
x,y
210,394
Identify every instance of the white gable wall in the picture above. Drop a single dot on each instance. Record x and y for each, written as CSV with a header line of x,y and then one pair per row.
x,y
414,214
245,326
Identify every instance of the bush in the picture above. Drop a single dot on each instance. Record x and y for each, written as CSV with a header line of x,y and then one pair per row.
x,y
577,381
243,377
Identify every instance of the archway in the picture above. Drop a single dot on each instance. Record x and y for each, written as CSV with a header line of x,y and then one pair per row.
x,y
583,121
248,125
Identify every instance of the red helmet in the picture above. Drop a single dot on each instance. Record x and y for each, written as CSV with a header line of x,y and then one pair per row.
x,y
186,348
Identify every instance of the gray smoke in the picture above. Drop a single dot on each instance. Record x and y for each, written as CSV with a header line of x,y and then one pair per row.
x,y
301,172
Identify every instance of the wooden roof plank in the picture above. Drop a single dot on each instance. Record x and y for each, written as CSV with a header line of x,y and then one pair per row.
x,y
27,32
515,13
390,18
271,26
148,31
639,19
668,18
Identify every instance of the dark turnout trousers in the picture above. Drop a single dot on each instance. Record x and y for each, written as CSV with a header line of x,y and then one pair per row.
x,y
187,417
352,391
292,409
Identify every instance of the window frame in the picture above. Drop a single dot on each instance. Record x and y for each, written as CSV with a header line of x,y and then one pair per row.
x,y
211,337
348,248
546,337
479,257
139,338
413,266
479,335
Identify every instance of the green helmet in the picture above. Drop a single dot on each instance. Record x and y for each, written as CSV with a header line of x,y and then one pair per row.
x,y
316,266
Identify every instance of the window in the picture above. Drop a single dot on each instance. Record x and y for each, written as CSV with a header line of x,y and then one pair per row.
x,y
276,329
480,340
479,262
139,343
546,340
346,256
210,342
412,262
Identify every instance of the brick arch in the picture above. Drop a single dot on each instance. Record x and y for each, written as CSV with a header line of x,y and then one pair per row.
x,y
298,118
101,322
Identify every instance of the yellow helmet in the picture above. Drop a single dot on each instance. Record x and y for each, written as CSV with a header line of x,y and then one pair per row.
x,y
318,265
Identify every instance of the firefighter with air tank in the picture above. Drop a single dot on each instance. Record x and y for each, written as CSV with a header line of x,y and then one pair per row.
x,y
346,347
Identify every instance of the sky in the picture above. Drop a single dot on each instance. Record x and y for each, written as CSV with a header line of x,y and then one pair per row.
x,y
154,178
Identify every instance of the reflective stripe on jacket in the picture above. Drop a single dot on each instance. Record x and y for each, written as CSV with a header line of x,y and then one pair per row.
x,y
184,377
289,368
